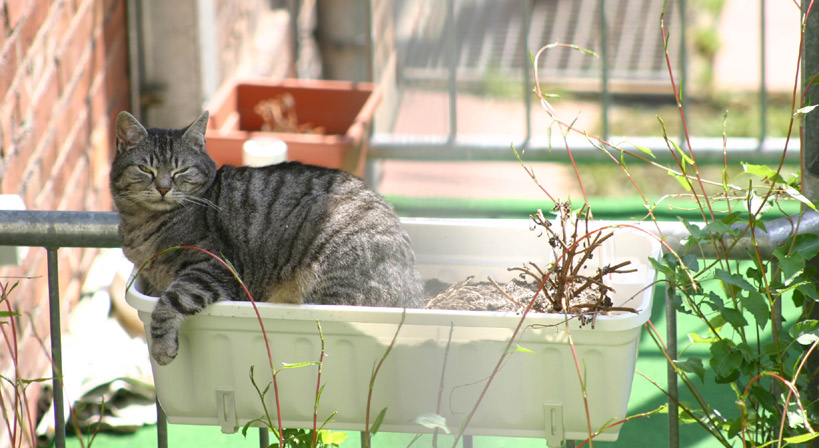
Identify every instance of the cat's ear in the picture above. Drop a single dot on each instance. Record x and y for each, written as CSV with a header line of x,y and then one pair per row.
x,y
129,131
195,134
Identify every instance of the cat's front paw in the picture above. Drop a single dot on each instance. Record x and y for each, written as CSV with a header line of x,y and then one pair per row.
x,y
165,323
164,348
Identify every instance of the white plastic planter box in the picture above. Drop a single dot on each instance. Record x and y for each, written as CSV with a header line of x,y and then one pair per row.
x,y
534,395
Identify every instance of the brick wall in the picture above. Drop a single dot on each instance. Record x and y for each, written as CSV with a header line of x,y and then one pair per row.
x,y
63,77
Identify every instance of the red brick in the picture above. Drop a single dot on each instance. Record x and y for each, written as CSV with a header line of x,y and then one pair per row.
x,y
23,92
68,154
8,122
117,87
12,174
8,69
75,42
45,98
33,187
31,23
5,31
99,142
75,188
114,22
15,11
18,165
62,25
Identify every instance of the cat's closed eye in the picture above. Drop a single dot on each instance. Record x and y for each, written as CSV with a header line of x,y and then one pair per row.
x,y
147,170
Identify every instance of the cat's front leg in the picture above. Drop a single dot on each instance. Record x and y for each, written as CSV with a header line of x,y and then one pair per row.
x,y
192,291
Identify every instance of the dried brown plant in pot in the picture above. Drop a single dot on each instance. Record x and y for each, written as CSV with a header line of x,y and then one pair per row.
x,y
569,285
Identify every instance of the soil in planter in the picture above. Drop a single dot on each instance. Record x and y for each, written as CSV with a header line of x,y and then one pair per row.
x,y
513,296
279,115
569,286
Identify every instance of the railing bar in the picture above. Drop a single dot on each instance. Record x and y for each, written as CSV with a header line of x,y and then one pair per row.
x,y
453,61
604,72
683,78
671,374
39,228
368,21
763,90
264,438
161,426
526,8
496,148
778,231
56,346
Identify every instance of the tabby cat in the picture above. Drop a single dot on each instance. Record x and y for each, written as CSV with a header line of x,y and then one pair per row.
x,y
294,233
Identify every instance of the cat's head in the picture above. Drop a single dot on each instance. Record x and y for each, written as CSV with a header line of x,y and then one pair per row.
x,y
160,169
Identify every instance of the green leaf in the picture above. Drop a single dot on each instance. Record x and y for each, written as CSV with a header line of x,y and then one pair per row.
x,y
682,180
734,427
248,424
794,193
805,332
806,245
725,359
808,289
717,322
696,234
378,421
521,349
332,437
767,399
802,438
685,158
642,149
692,365
756,303
328,419
287,365
735,280
35,380
790,264
734,317
697,339
714,301
762,171
690,262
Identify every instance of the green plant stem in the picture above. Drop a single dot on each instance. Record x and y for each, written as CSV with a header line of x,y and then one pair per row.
x,y
20,407
441,384
791,387
580,378
318,384
255,309
622,421
678,99
791,392
713,428
375,374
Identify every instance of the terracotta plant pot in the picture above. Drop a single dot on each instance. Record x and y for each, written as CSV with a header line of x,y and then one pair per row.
x,y
344,109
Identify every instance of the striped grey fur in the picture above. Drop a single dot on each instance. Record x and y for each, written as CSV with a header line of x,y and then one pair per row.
x,y
295,233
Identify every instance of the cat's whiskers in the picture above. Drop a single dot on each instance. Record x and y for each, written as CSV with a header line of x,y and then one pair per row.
x,y
199,201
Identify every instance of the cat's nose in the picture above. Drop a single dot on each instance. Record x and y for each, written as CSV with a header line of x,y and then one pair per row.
x,y
163,191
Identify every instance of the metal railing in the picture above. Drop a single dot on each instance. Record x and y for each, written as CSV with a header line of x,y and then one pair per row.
x,y
450,57
53,230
